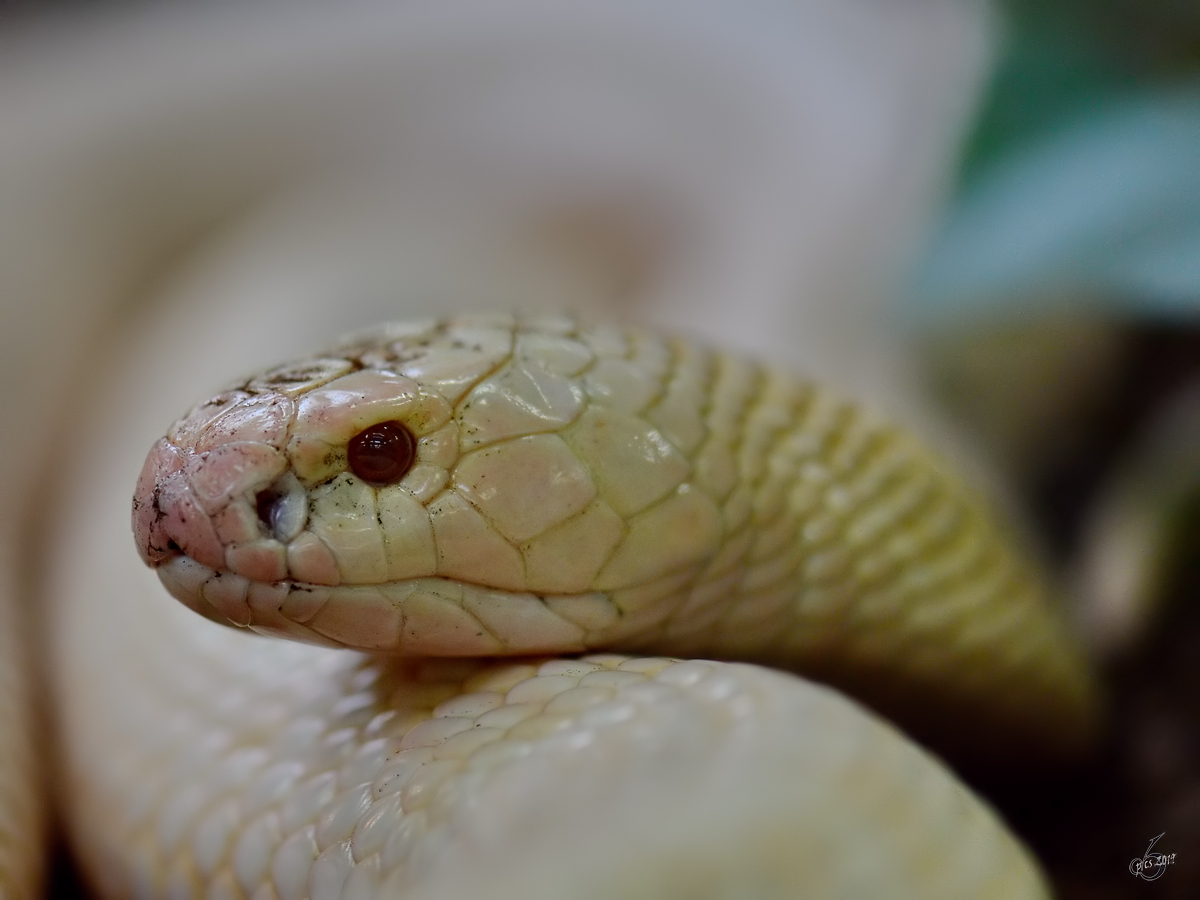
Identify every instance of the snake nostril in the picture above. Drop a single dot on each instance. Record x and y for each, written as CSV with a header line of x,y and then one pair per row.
x,y
265,503
283,507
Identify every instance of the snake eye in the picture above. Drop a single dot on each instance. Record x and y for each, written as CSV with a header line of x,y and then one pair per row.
x,y
383,453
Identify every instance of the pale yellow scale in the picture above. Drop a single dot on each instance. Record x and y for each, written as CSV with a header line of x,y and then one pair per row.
x,y
202,762
581,488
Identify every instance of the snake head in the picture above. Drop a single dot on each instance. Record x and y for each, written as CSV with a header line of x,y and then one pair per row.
x,y
448,488
253,497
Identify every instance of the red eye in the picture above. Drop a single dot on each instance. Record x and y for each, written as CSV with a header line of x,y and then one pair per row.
x,y
383,453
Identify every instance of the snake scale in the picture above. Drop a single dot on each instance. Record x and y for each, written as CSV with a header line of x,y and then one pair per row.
x,y
579,490
781,149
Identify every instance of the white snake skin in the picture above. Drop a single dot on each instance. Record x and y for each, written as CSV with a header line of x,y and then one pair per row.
x,y
197,761
261,768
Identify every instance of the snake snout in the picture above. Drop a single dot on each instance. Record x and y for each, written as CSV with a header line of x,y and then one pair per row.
x,y
208,505
166,518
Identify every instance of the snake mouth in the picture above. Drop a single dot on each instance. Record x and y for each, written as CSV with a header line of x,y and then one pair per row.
x,y
413,617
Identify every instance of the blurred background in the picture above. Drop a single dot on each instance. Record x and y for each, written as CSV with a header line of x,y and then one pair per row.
x,y
1059,308
994,206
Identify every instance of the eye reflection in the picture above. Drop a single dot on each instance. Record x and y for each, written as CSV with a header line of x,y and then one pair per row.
x,y
383,453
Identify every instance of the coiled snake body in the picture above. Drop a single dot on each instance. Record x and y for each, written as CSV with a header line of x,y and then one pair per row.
x,y
571,489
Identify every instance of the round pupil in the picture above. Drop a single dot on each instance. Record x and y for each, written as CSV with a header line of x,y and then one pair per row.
x,y
383,453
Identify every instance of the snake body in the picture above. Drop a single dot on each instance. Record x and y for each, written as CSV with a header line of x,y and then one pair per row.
x,y
774,143
592,488
826,541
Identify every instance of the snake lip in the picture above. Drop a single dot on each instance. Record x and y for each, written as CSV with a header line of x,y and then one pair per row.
x,y
232,599
427,616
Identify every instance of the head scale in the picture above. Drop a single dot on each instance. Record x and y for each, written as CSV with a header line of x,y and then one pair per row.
x,y
461,487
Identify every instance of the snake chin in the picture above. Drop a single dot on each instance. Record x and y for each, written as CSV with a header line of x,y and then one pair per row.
x,y
411,617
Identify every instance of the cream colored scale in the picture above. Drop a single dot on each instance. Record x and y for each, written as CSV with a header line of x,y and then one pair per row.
x,y
201,761
579,488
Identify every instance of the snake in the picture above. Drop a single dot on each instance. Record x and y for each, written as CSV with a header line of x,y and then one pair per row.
x,y
179,753
575,610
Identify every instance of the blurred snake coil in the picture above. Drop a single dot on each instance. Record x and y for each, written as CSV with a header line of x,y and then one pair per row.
x,y
574,492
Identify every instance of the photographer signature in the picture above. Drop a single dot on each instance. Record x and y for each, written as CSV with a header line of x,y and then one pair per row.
x,y
1151,865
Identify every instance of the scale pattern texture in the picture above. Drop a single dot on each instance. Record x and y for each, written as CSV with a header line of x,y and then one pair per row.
x,y
580,488
779,523
276,771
